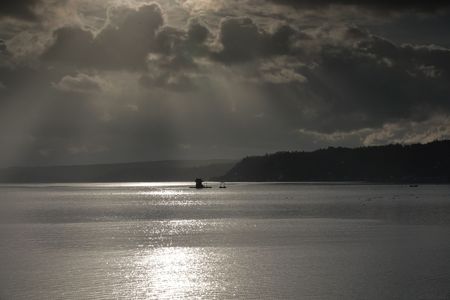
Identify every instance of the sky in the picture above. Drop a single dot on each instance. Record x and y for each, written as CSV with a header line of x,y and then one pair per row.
x,y
84,81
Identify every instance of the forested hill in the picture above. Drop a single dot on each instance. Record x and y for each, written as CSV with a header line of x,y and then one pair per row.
x,y
391,163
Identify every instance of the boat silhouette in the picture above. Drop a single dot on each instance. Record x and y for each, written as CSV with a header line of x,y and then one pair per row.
x,y
199,184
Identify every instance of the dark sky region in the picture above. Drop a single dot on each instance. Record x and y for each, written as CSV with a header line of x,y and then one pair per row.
x,y
84,81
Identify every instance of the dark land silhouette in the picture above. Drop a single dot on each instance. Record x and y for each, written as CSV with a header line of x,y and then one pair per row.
x,y
417,163
122,172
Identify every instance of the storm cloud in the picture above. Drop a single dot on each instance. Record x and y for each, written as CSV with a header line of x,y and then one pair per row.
x,y
418,5
242,40
106,82
23,9
124,46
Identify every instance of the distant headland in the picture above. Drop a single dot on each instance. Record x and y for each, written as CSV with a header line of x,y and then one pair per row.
x,y
416,163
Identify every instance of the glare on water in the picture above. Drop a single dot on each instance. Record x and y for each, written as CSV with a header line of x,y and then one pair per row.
x,y
249,241
170,273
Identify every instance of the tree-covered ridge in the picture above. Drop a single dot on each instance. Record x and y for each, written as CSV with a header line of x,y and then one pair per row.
x,y
390,163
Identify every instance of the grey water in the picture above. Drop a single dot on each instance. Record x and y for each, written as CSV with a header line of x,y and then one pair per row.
x,y
248,241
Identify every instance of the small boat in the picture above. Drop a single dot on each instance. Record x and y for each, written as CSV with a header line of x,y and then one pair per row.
x,y
222,185
413,185
199,184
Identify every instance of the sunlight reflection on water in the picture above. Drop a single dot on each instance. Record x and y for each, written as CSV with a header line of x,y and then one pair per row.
x,y
249,241
165,193
172,273
160,271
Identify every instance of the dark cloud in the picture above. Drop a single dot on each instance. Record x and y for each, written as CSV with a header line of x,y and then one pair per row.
x,y
197,33
21,9
242,40
182,45
123,47
173,61
340,79
419,5
354,33
72,45
373,82
170,40
280,41
140,87
2,46
355,80
410,28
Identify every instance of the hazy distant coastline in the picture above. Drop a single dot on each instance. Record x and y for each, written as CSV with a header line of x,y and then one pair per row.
x,y
170,170
417,163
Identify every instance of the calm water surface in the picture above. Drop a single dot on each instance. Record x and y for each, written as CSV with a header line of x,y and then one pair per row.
x,y
249,241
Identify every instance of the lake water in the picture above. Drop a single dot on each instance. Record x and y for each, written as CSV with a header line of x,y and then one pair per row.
x,y
248,241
